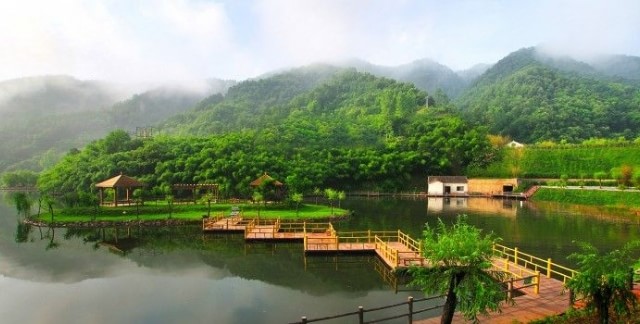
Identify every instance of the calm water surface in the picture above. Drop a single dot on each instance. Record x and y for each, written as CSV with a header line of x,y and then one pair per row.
x,y
179,275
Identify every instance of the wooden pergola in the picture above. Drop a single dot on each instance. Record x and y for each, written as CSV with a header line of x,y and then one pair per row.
x,y
117,183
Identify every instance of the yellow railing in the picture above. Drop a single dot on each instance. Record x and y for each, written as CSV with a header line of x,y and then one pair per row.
x,y
414,245
534,263
387,251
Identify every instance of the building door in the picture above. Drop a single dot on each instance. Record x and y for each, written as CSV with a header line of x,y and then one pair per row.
x,y
447,190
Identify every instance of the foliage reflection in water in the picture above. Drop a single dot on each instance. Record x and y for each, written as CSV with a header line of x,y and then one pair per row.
x,y
180,275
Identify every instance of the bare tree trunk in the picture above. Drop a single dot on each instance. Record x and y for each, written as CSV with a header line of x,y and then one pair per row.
x,y
449,307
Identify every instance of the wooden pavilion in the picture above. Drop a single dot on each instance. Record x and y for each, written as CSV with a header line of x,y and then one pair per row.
x,y
118,183
263,178
278,187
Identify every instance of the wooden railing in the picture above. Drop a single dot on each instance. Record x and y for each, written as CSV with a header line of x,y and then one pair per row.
x,y
411,310
210,222
414,245
534,263
386,251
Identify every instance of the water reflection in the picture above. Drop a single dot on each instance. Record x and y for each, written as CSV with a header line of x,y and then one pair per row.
x,y
178,274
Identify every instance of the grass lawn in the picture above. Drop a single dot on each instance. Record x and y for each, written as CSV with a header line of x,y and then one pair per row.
x,y
160,211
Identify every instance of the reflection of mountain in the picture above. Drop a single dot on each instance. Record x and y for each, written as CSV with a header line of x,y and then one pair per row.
x,y
503,207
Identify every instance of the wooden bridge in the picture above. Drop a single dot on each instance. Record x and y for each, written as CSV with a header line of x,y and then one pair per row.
x,y
539,283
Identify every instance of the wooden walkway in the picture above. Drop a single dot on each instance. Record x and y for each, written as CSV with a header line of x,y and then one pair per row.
x,y
536,284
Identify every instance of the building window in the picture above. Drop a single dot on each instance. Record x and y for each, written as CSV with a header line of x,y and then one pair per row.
x,y
460,188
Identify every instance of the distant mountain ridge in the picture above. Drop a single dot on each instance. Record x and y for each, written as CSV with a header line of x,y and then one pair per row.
x,y
531,97
41,118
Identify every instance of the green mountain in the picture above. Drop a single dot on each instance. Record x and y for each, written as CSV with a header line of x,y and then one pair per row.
x,y
532,97
41,118
317,126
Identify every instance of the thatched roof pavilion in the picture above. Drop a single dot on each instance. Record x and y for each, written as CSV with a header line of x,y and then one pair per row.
x,y
118,183
265,177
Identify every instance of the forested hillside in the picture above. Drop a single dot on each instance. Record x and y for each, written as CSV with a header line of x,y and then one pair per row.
x,y
532,98
41,118
346,130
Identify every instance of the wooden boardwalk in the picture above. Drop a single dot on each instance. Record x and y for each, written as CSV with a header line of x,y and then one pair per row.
x,y
536,284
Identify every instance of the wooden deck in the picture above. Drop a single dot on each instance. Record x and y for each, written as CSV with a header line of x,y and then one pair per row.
x,y
540,282
551,300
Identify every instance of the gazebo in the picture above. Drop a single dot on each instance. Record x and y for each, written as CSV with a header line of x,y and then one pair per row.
x,y
265,177
118,183
278,186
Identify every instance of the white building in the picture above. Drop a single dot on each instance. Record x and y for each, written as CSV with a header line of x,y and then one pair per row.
x,y
447,185
514,144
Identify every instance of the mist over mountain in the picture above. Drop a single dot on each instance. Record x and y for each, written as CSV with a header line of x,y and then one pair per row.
x,y
531,95
56,94
425,74
623,66
41,118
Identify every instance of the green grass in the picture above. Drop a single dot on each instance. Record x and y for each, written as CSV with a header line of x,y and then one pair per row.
x,y
537,162
618,199
160,211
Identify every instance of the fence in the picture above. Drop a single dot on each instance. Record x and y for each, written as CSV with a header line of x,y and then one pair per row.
x,y
534,263
410,305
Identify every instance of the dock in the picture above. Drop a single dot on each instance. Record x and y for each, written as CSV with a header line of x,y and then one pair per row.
x,y
536,284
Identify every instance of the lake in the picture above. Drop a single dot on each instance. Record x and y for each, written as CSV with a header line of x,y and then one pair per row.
x,y
179,275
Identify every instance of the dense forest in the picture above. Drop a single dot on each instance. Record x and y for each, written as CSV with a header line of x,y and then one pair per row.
x,y
350,131
533,98
324,125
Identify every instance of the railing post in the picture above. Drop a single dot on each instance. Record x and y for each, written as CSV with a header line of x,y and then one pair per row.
x,y
397,258
510,289
410,302
337,243
304,320
368,236
549,268
360,314
536,289
572,298
515,255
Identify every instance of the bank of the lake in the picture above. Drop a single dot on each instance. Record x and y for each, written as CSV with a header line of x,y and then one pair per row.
x,y
622,200
160,211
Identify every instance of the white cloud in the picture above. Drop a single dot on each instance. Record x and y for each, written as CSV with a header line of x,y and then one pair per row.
x,y
177,40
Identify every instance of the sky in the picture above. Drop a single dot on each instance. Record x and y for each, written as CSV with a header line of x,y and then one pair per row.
x,y
174,40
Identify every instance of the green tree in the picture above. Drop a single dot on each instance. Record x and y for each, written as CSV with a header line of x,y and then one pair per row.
x,y
603,279
257,198
170,199
331,195
600,175
23,204
316,193
297,199
208,198
461,269
341,196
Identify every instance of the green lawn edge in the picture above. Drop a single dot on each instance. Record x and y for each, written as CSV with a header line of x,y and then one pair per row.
x,y
629,200
192,212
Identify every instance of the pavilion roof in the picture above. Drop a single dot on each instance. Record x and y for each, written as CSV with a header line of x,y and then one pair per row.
x,y
263,178
120,181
